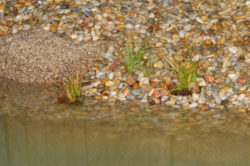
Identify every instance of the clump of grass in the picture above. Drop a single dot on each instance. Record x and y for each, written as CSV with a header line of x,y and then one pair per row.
x,y
133,58
73,88
70,89
186,72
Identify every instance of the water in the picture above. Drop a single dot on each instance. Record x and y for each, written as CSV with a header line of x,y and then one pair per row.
x,y
37,131
66,143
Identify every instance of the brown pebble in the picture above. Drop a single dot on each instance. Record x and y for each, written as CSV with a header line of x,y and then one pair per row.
x,y
104,80
207,42
136,85
242,110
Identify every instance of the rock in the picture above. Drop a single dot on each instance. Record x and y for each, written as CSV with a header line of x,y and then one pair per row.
x,y
223,91
198,19
195,97
241,80
209,79
96,83
129,26
136,86
158,65
196,57
194,87
187,27
130,80
144,81
164,98
140,75
111,76
112,93
241,96
151,15
112,100
108,56
233,76
193,105
182,33
109,83
126,91
156,93
201,82
146,88
207,42
101,75
242,110
233,50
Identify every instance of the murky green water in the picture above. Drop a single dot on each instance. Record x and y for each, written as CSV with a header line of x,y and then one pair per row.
x,y
37,131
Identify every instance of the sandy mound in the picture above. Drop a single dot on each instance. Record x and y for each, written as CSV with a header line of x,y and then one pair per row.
x,y
41,56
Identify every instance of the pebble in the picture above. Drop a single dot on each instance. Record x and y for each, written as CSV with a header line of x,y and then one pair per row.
x,y
195,97
182,33
158,65
198,19
144,81
130,80
111,76
193,105
233,50
109,83
187,27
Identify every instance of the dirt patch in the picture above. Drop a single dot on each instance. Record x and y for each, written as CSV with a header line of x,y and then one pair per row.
x,y
41,56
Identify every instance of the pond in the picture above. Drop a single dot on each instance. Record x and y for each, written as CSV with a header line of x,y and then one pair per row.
x,y
36,130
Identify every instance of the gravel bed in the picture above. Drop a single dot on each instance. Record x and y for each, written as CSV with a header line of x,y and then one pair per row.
x,y
218,31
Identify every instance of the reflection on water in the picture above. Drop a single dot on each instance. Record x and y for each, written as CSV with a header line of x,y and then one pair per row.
x,y
25,142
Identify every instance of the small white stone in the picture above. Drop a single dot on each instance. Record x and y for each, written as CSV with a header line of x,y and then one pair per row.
x,y
170,102
111,76
188,27
158,44
143,31
105,97
233,50
74,36
198,19
140,75
14,30
144,81
164,98
151,15
233,76
195,97
19,17
241,96
96,83
97,26
196,57
95,38
108,56
182,33
1,13
129,26
201,82
193,105
112,93
100,75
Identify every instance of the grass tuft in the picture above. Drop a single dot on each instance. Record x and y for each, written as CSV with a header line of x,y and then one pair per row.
x,y
70,89
73,88
186,72
133,59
